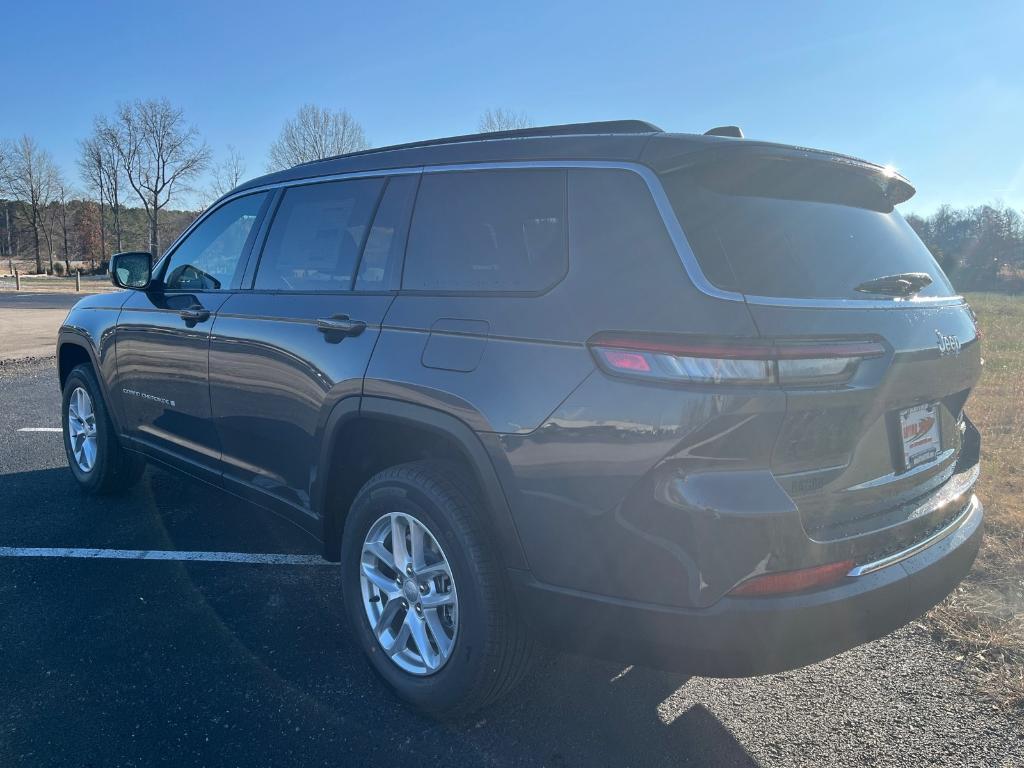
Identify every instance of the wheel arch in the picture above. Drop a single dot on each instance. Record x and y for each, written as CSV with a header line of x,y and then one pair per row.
x,y
75,347
72,352
364,435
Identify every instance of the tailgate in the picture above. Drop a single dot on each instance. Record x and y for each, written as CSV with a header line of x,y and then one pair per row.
x,y
853,453
814,245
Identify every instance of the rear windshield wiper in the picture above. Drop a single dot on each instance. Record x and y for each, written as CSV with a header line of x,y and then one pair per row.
x,y
903,284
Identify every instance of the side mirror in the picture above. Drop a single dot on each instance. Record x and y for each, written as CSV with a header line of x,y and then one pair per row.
x,y
133,269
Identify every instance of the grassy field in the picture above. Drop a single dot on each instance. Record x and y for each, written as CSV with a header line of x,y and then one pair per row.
x,y
984,619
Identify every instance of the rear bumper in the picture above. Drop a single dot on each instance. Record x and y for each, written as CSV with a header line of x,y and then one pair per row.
x,y
751,636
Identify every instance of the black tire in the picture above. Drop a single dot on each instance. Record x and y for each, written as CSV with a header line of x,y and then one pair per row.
x,y
115,469
492,647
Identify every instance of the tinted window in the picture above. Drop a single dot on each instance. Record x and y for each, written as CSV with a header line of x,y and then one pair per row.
x,y
208,258
488,231
796,230
382,256
316,236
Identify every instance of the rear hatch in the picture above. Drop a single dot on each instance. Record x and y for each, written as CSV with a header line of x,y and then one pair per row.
x,y
805,239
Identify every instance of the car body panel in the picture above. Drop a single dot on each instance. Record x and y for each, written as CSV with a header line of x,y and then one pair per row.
x,y
631,507
90,325
163,375
273,375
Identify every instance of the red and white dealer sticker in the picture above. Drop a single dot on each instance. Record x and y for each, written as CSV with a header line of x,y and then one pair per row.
x,y
919,432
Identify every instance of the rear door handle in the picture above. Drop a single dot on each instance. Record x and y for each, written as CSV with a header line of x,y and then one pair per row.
x,y
194,315
337,327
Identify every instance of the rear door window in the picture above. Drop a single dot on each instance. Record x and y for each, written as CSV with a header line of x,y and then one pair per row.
x,y
316,236
487,231
796,230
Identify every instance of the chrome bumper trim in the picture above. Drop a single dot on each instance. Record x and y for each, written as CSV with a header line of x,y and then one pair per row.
x,y
970,513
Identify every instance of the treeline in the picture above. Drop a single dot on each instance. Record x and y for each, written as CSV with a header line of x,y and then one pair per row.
x,y
981,248
133,165
70,233
145,156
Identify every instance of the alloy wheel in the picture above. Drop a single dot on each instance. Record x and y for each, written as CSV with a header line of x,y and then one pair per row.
x,y
82,429
409,593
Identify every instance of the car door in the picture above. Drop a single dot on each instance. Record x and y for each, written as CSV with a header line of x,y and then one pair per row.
x,y
283,353
162,337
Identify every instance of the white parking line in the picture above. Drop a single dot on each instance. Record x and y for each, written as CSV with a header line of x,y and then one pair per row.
x,y
40,429
161,554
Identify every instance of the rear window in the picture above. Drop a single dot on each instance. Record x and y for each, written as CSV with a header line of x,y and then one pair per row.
x,y
480,231
795,229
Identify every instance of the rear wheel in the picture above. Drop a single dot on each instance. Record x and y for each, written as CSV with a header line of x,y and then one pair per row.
x,y
97,460
424,593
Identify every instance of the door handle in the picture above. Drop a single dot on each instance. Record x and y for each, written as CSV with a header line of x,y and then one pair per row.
x,y
337,327
194,315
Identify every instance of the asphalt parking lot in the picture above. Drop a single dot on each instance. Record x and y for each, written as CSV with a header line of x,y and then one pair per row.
x,y
133,662
29,300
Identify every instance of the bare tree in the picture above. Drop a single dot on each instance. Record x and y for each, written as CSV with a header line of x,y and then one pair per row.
x,y
113,174
90,166
227,174
63,198
49,222
500,119
10,236
30,178
5,169
314,134
159,153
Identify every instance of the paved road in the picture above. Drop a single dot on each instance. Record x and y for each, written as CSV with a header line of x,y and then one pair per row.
x,y
29,300
114,662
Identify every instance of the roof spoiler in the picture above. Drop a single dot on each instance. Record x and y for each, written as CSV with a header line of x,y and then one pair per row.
x,y
732,131
892,184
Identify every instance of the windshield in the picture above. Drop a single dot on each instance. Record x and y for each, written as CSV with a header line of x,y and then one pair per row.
x,y
796,229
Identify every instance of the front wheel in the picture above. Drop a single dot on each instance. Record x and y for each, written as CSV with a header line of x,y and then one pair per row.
x,y
97,460
424,593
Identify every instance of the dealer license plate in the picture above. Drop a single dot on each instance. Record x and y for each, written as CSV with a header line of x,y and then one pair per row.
x,y
919,434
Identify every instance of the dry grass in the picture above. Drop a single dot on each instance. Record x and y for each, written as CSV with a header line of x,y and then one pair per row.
x,y
984,619
54,284
32,283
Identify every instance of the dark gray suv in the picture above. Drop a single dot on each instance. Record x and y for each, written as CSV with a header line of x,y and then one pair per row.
x,y
689,401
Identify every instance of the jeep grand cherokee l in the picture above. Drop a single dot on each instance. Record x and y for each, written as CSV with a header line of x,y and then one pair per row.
x,y
689,401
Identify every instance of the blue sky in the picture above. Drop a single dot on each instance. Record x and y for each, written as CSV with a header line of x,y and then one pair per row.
x,y
935,88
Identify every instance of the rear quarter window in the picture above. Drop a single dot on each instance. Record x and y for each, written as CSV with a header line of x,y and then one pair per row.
x,y
488,231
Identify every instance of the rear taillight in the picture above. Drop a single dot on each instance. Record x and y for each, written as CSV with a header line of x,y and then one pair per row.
x,y
788,582
751,362
974,320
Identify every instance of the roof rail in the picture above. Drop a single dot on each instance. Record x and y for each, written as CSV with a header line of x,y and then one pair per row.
x,y
568,129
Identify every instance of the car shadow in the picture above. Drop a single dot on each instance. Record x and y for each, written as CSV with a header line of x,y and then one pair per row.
x,y
578,711
265,650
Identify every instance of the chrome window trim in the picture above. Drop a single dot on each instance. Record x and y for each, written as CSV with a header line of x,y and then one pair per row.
x,y
923,302
661,201
280,185
668,216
